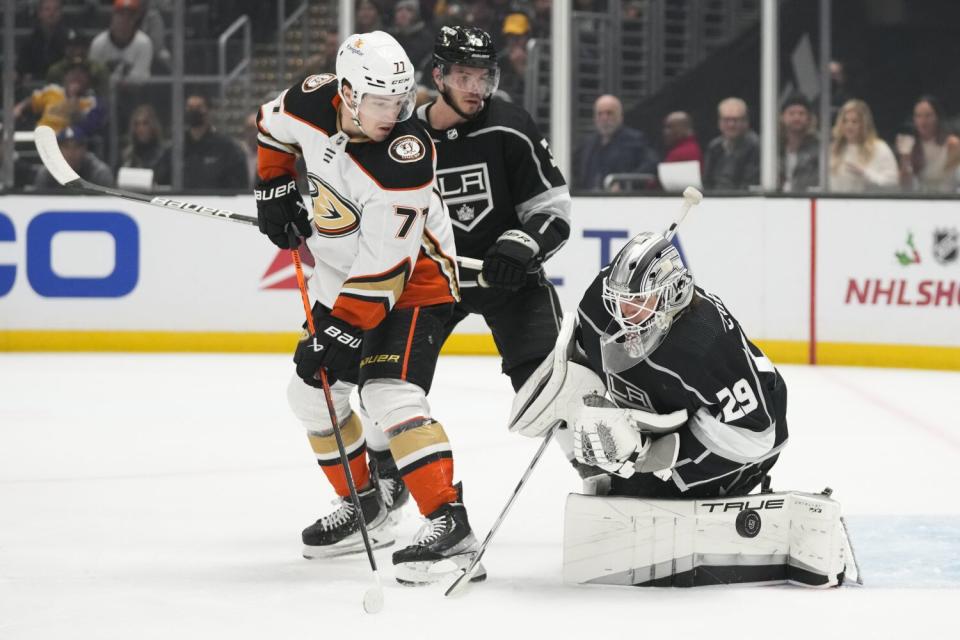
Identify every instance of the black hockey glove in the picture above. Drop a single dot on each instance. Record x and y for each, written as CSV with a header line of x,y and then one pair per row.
x,y
280,209
335,346
507,263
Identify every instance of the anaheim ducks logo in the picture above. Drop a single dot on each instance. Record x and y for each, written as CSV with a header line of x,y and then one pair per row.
x,y
333,214
407,149
315,82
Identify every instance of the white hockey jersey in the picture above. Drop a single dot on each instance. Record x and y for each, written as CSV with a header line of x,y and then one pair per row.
x,y
381,234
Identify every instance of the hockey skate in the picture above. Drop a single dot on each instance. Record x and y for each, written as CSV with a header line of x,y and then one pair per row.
x,y
392,489
443,545
339,532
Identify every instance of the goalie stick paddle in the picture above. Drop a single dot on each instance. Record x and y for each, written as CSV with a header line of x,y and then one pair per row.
x,y
464,578
46,142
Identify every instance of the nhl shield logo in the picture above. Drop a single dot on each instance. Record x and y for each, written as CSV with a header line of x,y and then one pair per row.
x,y
466,190
946,245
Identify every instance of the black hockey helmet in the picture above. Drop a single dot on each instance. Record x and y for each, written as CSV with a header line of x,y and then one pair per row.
x,y
469,46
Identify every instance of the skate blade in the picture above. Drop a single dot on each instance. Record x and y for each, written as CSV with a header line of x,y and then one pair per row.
x,y
348,546
423,573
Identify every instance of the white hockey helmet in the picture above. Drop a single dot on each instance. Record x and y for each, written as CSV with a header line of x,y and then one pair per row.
x,y
380,75
646,288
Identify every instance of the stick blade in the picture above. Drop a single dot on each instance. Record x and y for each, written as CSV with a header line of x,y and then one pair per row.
x,y
458,585
45,140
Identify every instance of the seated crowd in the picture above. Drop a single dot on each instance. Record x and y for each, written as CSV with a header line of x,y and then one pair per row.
x,y
66,78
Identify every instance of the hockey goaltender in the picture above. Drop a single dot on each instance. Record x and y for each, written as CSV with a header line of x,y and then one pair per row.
x,y
673,417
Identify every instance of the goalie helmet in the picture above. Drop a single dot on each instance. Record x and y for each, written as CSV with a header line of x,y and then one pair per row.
x,y
468,47
645,289
380,74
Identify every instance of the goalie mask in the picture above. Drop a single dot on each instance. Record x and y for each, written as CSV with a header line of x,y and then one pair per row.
x,y
646,288
378,71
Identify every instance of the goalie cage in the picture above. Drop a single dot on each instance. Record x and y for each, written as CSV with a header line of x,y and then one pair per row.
x,y
768,538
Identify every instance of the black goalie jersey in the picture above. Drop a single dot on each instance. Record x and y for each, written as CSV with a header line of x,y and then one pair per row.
x,y
735,399
496,173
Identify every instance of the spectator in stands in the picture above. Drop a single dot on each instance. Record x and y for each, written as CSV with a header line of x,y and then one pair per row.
x,y
325,60
799,146
71,105
859,160
367,18
211,160
732,161
150,21
75,54
614,148
412,34
123,48
678,139
839,87
480,14
542,18
929,158
44,45
513,58
450,13
147,148
73,145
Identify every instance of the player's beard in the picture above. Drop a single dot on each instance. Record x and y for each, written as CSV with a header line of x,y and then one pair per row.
x,y
448,97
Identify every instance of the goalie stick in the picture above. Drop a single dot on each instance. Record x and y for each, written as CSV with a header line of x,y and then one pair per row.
x,y
464,578
45,140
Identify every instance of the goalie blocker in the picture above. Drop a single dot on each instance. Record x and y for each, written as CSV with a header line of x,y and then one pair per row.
x,y
768,538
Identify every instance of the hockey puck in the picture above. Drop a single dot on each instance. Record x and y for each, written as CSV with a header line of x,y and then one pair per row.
x,y
748,523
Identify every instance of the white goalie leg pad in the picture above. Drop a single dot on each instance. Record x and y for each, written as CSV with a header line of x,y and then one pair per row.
x,y
309,405
772,538
556,388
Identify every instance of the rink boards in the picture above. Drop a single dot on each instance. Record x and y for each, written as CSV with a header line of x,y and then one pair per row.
x,y
838,281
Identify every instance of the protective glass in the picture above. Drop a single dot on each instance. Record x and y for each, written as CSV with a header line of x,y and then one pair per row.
x,y
482,81
387,109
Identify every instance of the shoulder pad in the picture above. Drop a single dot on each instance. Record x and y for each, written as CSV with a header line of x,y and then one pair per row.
x,y
403,161
312,101
507,114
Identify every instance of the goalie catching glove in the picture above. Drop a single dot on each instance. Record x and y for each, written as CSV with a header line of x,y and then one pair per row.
x,y
335,346
280,209
606,439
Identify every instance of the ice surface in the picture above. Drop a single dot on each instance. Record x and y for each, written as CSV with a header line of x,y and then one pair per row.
x,y
160,496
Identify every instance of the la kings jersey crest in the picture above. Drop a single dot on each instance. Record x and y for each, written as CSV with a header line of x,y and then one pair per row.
x,y
493,173
466,190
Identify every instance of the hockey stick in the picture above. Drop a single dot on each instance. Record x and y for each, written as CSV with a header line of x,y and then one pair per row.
x,y
474,265
691,198
46,142
372,597
464,579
